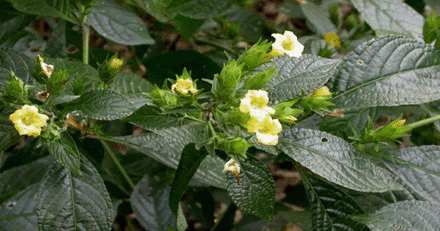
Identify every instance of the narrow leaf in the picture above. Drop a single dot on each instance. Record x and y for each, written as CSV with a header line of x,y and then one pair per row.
x,y
335,160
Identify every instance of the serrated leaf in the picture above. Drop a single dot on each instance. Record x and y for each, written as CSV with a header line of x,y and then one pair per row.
x,y
56,8
19,63
200,9
103,105
66,202
391,17
116,23
306,73
256,193
133,87
319,17
331,207
149,201
388,71
65,152
404,216
16,179
418,170
19,212
335,160
188,164
151,118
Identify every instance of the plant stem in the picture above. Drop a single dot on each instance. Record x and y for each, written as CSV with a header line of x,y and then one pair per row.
x,y
116,161
85,37
423,122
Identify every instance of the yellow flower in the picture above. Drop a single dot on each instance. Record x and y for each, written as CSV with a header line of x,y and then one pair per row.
x,y
322,92
183,86
27,120
290,119
233,168
266,130
255,103
398,124
287,44
115,63
332,39
47,69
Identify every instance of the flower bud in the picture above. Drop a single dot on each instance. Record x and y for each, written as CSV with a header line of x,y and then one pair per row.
x,y
232,167
322,93
16,88
236,146
254,56
226,82
163,98
257,81
333,39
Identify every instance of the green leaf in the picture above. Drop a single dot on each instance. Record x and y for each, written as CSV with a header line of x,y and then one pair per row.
x,y
56,44
133,87
256,193
187,26
200,9
388,71
167,148
66,202
188,164
157,8
335,160
103,105
17,62
13,27
306,73
19,212
66,152
181,220
151,118
331,207
57,8
116,23
391,17
319,17
8,134
16,179
404,216
250,22
149,201
418,170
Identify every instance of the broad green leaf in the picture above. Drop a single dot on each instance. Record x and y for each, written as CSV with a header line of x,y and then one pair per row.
x,y
103,105
116,23
418,169
157,8
66,152
66,202
56,8
16,179
167,148
56,44
256,193
388,71
250,22
187,26
149,201
331,207
335,160
319,17
13,27
200,9
391,17
133,87
8,134
19,212
404,216
306,73
188,164
151,118
19,63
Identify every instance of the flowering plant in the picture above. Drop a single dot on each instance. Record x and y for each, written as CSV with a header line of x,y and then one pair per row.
x,y
336,122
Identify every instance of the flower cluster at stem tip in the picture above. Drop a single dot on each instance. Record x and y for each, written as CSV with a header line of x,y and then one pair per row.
x,y
261,123
183,86
27,120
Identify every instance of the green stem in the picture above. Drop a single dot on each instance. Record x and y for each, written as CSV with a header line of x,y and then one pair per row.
x,y
85,37
423,122
117,163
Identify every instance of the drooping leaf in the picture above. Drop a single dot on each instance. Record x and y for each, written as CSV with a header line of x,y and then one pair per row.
x,y
151,118
66,152
19,212
16,179
335,160
256,193
404,216
116,23
149,201
418,170
103,105
14,61
188,164
331,207
319,17
67,202
57,8
306,73
388,71
391,17
133,87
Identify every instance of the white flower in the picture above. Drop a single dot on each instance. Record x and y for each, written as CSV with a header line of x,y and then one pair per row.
x,y
183,86
287,44
255,103
266,130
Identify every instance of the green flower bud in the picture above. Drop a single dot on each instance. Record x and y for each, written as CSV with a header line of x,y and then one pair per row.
x,y
15,88
57,82
237,146
318,101
254,56
285,113
226,82
163,98
351,21
259,80
431,28
389,132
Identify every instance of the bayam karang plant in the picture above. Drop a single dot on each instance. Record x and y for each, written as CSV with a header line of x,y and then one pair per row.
x,y
274,99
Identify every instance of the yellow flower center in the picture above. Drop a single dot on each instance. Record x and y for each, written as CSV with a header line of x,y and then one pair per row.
x,y
287,44
258,102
